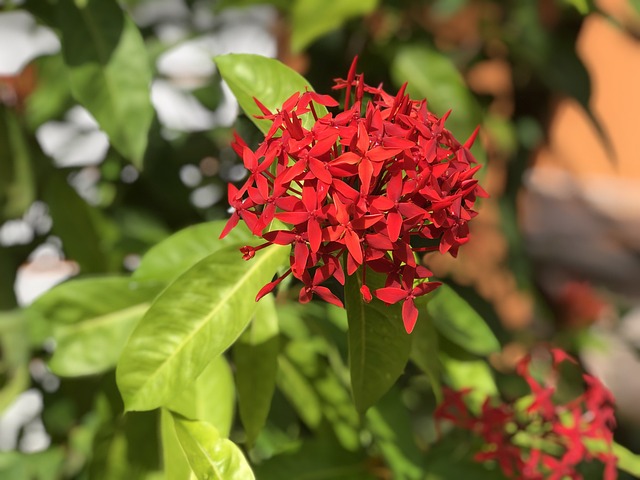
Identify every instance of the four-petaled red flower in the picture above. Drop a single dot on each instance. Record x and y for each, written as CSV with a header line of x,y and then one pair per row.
x,y
357,187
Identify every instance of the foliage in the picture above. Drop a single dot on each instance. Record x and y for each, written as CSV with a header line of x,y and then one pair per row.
x,y
156,361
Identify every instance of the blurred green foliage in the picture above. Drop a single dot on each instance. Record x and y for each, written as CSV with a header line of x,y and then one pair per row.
x,y
296,417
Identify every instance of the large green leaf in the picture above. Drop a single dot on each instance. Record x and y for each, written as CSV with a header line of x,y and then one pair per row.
x,y
459,322
313,18
176,254
210,455
432,75
379,346
255,356
268,80
91,319
109,72
210,398
195,319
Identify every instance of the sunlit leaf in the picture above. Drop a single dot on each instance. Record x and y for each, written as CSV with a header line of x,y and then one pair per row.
x,y
195,319
211,397
255,356
379,346
463,370
176,466
459,322
109,72
210,455
92,319
176,254
313,18
266,79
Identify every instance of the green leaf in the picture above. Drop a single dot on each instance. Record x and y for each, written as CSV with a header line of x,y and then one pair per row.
x,y
312,19
636,6
627,460
76,223
266,79
255,356
463,370
393,435
14,357
18,176
379,346
44,465
91,320
176,466
210,455
109,72
176,254
300,393
424,347
459,322
210,398
319,458
433,76
194,320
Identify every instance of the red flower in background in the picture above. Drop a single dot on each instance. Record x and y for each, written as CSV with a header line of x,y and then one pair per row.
x,y
358,187
547,440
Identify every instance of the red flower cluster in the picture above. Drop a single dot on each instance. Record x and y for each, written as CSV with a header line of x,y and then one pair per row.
x,y
546,441
359,187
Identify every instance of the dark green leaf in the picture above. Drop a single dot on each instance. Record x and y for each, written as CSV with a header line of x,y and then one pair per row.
x,y
393,434
459,322
19,186
424,347
313,18
176,254
77,224
266,79
14,357
379,346
109,72
195,319
255,356
321,458
91,320
300,393
210,455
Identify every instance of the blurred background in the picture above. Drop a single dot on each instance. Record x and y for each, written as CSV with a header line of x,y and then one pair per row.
x,y
555,251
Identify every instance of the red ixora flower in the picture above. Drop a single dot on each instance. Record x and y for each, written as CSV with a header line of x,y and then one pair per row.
x,y
546,440
359,187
